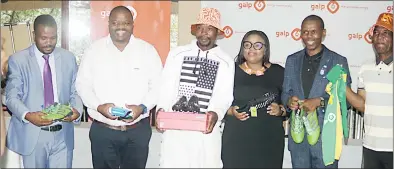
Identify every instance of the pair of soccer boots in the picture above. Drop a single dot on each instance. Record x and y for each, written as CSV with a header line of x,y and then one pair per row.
x,y
301,122
183,105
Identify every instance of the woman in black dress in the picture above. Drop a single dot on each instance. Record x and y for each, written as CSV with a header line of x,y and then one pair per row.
x,y
253,135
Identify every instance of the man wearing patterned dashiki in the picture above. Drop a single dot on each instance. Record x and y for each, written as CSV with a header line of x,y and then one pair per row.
x,y
199,78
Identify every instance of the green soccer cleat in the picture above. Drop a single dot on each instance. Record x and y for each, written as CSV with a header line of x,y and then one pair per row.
x,y
297,127
312,127
57,111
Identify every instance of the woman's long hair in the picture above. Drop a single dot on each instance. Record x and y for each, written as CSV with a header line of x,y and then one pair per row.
x,y
240,59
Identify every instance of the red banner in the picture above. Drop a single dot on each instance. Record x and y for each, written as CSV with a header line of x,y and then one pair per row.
x,y
151,21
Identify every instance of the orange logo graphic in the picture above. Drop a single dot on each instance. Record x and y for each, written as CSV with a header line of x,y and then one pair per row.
x,y
332,6
228,31
318,7
259,5
105,13
367,37
355,36
243,5
360,36
389,9
296,34
284,34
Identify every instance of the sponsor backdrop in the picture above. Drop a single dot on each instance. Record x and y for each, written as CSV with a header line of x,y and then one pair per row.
x,y
151,21
346,22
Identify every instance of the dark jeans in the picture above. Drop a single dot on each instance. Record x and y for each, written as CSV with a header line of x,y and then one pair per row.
x,y
375,159
120,149
304,155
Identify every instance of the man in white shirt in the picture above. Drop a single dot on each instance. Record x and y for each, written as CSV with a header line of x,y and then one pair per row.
x,y
200,75
374,97
119,70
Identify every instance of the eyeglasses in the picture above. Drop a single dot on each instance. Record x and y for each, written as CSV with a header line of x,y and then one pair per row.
x,y
115,23
257,45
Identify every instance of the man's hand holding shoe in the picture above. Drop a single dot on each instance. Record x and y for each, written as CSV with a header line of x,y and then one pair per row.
x,y
73,117
104,110
37,119
136,110
293,103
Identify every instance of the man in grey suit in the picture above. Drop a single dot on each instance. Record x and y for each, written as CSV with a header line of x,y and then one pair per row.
x,y
39,76
305,80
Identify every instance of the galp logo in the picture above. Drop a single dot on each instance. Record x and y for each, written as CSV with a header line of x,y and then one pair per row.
x,y
360,36
295,34
355,36
228,31
243,5
133,11
389,9
332,6
258,5
105,13
367,37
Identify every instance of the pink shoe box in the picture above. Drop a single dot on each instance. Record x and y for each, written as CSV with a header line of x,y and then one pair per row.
x,y
182,121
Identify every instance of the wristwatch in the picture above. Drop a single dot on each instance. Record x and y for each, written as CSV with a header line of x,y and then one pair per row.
x,y
144,109
322,102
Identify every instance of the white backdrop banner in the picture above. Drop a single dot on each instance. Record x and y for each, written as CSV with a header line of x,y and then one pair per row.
x,y
346,22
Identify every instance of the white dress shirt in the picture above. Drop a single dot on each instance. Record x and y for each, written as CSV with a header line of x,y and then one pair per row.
x,y
108,75
41,64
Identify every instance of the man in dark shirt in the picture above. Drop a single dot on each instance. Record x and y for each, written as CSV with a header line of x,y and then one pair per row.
x,y
309,69
305,80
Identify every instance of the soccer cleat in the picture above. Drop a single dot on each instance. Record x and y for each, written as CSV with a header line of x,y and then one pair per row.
x,y
312,127
57,111
297,127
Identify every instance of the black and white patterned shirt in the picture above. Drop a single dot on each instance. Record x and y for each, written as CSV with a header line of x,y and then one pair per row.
x,y
198,76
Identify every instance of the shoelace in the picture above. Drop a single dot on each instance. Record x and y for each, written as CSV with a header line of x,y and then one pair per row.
x,y
264,101
297,123
310,126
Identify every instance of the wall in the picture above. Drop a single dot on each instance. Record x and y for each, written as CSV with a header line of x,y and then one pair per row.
x,y
187,14
21,37
25,5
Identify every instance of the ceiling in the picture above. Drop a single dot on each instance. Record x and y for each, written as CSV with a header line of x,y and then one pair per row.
x,y
18,5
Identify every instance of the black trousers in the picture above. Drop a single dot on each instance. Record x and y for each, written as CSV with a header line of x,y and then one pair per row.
x,y
120,149
375,159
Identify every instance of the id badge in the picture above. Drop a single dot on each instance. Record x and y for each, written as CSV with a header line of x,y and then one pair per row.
x,y
253,111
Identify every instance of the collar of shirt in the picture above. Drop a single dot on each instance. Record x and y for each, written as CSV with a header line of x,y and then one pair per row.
x,y
315,57
386,61
111,45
